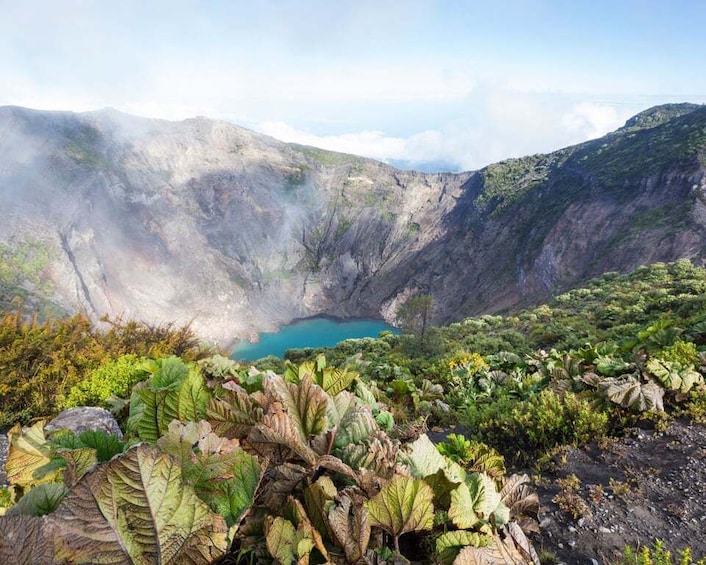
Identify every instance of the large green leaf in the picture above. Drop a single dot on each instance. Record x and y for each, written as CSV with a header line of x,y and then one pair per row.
x,y
78,463
222,474
673,376
190,403
41,500
356,425
422,457
449,544
629,392
331,379
511,549
137,509
280,536
309,536
229,496
474,501
234,414
306,404
288,543
403,505
350,526
174,392
334,380
319,498
461,510
133,510
105,445
29,452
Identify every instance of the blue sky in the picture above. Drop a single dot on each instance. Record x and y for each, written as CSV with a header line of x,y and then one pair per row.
x,y
462,83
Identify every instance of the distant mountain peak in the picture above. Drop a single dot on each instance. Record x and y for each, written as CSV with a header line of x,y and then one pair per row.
x,y
657,115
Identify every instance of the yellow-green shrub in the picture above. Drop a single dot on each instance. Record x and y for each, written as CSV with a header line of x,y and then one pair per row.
x,y
113,377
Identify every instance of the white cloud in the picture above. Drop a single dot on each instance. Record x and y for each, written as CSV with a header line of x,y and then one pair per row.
x,y
498,124
591,119
422,146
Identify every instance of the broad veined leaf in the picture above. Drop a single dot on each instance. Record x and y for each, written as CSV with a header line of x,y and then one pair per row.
x,y
421,457
475,500
377,453
318,498
444,482
461,509
339,406
356,425
484,459
23,541
335,381
385,420
278,428
191,400
230,495
136,509
522,500
673,376
512,549
166,373
222,474
29,452
282,480
280,536
335,465
306,403
365,394
78,463
41,500
187,441
306,532
631,393
170,394
233,415
610,366
449,544
350,527
105,445
403,505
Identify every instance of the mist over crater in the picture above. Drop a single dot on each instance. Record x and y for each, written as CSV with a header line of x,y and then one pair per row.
x,y
204,222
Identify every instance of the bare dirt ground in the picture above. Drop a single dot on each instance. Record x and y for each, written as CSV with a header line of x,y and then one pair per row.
x,y
646,486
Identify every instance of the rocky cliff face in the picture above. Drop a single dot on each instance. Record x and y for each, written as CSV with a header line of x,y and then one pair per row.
x,y
236,232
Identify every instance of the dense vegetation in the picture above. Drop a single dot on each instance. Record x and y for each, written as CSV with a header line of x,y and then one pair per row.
x,y
321,458
44,365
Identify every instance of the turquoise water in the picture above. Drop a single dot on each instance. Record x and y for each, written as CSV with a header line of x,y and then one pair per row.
x,y
312,332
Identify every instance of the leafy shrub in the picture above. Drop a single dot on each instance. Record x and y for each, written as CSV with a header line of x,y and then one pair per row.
x,y
657,555
696,406
683,352
40,362
551,419
522,430
115,377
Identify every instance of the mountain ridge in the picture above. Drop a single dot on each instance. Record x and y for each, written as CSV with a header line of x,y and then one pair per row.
x,y
205,221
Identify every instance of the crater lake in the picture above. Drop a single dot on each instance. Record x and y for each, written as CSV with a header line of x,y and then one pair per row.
x,y
310,332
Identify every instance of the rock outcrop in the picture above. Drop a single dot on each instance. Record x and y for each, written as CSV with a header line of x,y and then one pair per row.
x,y
84,418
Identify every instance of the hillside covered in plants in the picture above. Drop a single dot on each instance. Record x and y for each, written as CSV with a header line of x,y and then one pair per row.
x,y
111,214
328,456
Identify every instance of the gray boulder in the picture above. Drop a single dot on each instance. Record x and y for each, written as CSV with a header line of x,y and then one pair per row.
x,y
85,418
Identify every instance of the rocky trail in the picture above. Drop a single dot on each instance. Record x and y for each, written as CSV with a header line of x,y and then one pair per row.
x,y
646,486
